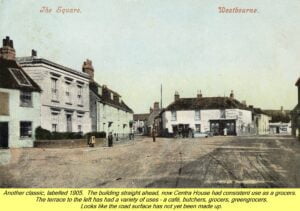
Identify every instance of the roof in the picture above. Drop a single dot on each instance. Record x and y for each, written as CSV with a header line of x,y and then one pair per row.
x,y
206,103
141,117
259,111
279,115
23,61
105,99
12,76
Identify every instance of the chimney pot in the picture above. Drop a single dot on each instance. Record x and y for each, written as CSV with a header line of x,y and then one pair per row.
x,y
33,53
88,68
232,94
156,106
7,51
199,94
176,96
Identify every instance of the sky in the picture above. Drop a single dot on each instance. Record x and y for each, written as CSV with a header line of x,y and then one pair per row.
x,y
185,45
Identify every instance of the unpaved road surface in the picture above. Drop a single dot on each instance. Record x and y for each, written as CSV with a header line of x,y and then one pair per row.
x,y
204,162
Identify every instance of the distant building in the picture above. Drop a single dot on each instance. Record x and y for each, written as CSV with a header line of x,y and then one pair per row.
x,y
144,122
280,122
65,104
109,112
19,101
220,115
140,123
296,114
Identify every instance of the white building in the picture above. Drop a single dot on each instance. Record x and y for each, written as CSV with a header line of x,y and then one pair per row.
x,y
261,121
219,115
19,101
65,97
109,112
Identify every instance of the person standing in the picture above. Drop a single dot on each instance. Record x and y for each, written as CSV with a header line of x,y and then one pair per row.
x,y
153,133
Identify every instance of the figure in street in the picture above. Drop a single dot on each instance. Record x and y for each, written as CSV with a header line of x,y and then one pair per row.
x,y
153,133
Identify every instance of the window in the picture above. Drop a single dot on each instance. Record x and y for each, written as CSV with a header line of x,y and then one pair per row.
x,y
197,115
25,99
54,90
222,114
197,128
19,77
54,127
79,95
68,92
54,120
174,115
104,112
25,129
79,128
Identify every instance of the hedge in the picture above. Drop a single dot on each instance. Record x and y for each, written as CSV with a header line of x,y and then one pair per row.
x,y
96,134
43,134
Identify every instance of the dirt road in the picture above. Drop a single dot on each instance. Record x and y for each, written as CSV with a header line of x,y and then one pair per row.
x,y
204,162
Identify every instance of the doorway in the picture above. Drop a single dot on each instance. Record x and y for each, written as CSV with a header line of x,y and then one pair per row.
x,y
3,134
69,123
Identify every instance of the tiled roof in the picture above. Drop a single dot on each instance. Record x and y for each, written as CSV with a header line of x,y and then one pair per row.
x,y
9,78
107,99
206,103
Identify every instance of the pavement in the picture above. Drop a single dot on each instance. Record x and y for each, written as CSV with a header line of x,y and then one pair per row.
x,y
258,161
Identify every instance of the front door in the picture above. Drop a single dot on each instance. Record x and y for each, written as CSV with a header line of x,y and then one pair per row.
x,y
4,134
69,123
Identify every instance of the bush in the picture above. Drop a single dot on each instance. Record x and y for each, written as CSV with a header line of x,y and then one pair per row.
x,y
43,134
96,134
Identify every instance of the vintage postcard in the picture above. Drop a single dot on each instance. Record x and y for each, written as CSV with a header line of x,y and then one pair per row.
x,y
147,94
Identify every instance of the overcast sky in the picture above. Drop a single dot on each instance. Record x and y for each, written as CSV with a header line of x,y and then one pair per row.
x,y
186,45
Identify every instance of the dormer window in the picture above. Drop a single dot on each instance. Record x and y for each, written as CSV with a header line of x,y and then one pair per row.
x,y
19,77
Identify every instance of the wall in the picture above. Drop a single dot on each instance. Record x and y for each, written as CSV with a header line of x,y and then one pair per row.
x,y
263,124
42,75
18,114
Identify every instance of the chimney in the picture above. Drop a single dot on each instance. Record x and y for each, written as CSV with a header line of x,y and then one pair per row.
x,y
7,51
281,109
151,110
33,53
298,84
88,68
244,102
231,95
156,106
176,96
199,94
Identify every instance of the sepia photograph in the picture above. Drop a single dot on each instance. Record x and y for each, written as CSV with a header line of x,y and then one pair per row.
x,y
149,94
